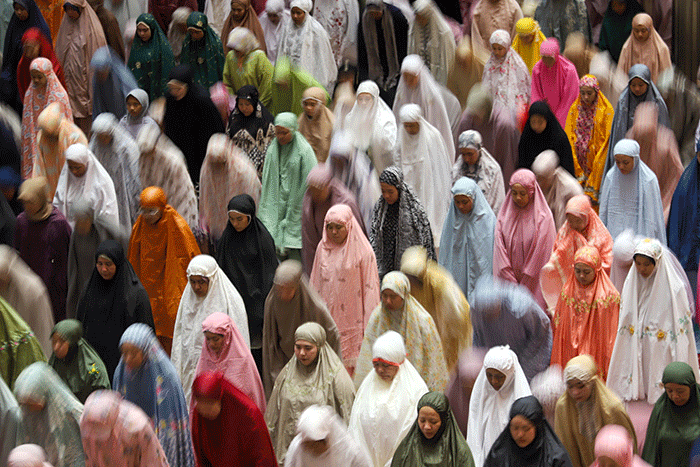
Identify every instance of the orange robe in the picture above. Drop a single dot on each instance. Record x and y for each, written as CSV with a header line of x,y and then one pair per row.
x,y
52,11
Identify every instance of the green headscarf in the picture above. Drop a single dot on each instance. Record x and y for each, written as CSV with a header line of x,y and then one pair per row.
x,y
151,61
206,56
288,85
82,368
447,447
18,345
284,184
673,429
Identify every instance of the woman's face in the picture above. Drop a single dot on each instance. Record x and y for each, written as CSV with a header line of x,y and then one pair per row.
x,y
177,89
305,351
410,79
238,220
412,128
638,86
151,214
391,300
520,196
678,393
59,345
106,268
200,285
549,61
578,390
470,156
538,123
365,99
618,6
464,203
284,135
298,16
624,163
527,38
133,106
144,32
73,14
337,232
390,193
641,33
585,275
604,461
208,408
21,12
244,106
495,378
237,11
310,106
76,168
498,51
196,34
286,292
31,49
522,430
577,223
385,371
38,79
215,342
133,356
429,421
588,95
645,266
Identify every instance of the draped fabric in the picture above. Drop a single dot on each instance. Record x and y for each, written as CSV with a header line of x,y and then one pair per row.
x,y
76,43
672,428
32,37
317,128
585,318
465,73
553,137
416,326
617,28
559,18
249,21
504,313
248,259
188,337
283,185
490,405
151,61
155,388
160,254
35,101
556,85
382,414
658,150
340,20
508,78
569,240
615,443
10,417
544,450
447,447
175,34
434,42
111,84
120,158
632,200
289,82
602,408
529,52
324,381
626,107
116,432
461,384
204,56
684,220
283,317
655,326
684,100
308,46
238,436
557,184
653,52
489,16
134,124
271,30
24,292
108,307
371,126
95,186
252,69
486,173
162,11
345,276
110,27
524,236
254,133
588,129
19,348
234,360
467,239
55,427
81,369
226,172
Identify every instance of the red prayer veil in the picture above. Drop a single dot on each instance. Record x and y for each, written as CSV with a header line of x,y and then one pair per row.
x,y
238,437
24,79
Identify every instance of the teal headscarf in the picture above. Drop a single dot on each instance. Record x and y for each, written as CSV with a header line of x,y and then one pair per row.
x,y
284,184
673,429
206,56
82,368
151,61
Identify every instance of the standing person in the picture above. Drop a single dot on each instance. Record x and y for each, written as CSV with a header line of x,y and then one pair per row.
x,y
291,302
542,132
42,237
317,122
227,428
112,82
146,377
161,244
79,25
112,300
136,116
151,58
202,51
476,163
235,14
289,160
645,46
524,235
208,290
489,16
558,185
247,65
559,18
36,45
431,38
177,30
190,118
345,275
110,27
315,375
554,80
272,23
506,76
466,72
246,254
617,26
527,41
